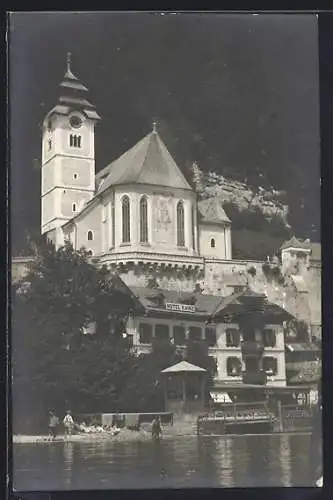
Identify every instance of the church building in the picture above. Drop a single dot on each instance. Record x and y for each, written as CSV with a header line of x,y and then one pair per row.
x,y
139,216
139,208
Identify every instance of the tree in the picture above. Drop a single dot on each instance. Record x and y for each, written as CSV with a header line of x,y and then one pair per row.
x,y
54,363
145,380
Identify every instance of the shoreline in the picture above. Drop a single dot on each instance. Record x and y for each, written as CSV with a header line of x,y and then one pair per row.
x,y
127,435
82,438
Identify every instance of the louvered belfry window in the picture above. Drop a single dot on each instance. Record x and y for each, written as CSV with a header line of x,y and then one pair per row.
x,y
126,219
143,220
180,225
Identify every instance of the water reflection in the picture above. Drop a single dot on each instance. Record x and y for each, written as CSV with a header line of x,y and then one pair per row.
x,y
68,450
226,461
285,461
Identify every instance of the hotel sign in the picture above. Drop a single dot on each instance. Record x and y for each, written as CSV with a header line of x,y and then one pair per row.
x,y
171,306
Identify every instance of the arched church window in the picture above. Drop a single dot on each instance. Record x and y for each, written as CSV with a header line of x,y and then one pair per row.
x,y
126,219
90,235
212,243
74,141
143,220
180,225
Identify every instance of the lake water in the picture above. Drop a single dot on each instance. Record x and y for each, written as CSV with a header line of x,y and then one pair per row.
x,y
224,461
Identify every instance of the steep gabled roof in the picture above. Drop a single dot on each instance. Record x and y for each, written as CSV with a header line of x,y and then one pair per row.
x,y
148,162
249,302
211,211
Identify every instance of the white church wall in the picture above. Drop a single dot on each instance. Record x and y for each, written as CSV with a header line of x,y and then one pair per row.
x,y
48,207
162,213
49,175
63,131
78,173
71,201
90,222
216,235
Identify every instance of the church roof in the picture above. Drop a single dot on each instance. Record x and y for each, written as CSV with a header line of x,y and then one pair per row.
x,y
148,162
183,366
211,211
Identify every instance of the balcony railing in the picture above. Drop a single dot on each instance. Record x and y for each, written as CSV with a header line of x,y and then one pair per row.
x,y
255,378
252,347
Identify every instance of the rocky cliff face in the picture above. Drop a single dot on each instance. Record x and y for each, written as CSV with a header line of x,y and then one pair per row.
x,y
268,201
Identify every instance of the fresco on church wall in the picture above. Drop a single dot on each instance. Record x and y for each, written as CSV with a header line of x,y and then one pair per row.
x,y
163,227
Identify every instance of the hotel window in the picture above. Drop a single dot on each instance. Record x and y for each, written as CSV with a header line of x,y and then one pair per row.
x,y
210,335
126,219
143,220
180,225
232,337
179,335
90,235
269,338
145,333
195,333
162,332
234,367
212,243
74,141
269,365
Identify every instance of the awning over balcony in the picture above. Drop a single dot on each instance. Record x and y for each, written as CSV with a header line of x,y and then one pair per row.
x,y
220,397
302,347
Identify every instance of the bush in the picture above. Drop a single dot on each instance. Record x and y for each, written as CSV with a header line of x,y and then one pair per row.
x,y
252,271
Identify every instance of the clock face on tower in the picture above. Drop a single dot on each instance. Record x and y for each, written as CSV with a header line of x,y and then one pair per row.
x,y
75,121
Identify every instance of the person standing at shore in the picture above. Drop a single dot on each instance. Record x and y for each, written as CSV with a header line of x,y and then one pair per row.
x,y
68,423
53,425
156,429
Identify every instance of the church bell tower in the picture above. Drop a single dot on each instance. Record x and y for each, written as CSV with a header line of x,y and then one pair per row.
x,y
68,157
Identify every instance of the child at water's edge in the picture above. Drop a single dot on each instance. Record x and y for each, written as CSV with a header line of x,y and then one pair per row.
x,y
68,424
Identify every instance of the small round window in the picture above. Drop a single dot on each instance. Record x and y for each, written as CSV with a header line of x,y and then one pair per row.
x,y
75,121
